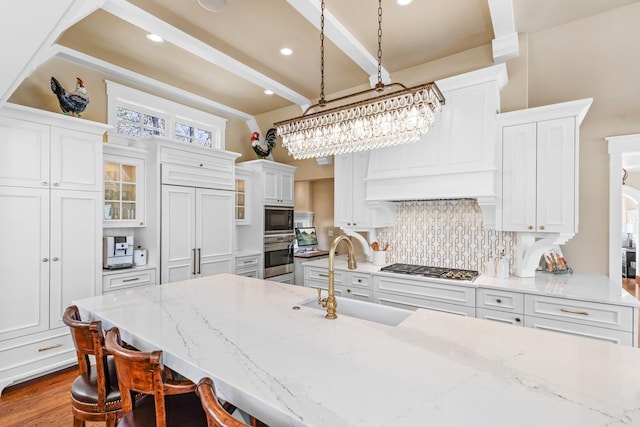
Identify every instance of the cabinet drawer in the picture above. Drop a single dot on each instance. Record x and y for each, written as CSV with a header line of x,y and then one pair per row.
x,y
500,316
445,293
586,331
249,261
361,294
586,313
198,176
412,303
321,275
38,351
492,299
248,273
358,280
130,279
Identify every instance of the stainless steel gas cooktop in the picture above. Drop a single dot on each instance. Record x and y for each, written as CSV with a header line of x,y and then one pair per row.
x,y
428,271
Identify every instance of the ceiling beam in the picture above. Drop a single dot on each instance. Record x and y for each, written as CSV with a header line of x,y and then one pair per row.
x,y
341,37
142,19
147,83
505,43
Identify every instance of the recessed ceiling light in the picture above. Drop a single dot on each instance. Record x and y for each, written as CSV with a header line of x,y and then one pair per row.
x,y
286,51
155,38
268,92
403,2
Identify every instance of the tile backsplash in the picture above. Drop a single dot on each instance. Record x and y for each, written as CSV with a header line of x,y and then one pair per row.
x,y
445,233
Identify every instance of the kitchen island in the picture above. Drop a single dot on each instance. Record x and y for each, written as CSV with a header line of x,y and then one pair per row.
x,y
292,367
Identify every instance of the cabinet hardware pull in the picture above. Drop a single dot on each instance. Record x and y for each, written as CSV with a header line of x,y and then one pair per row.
x,y
45,183
56,184
322,275
247,262
55,258
582,313
201,165
518,319
498,300
194,261
542,227
45,259
199,260
142,223
131,280
359,280
51,347
530,227
349,290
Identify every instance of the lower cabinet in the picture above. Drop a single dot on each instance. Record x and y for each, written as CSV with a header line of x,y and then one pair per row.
x,y
500,316
121,280
413,294
605,322
248,266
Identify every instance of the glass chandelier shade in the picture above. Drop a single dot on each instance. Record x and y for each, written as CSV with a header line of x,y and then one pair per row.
x,y
389,118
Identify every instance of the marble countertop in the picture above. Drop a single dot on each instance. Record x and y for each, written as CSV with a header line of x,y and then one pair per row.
x,y
585,287
295,368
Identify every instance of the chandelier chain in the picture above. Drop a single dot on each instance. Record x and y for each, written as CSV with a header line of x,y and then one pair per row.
x,y
379,42
322,100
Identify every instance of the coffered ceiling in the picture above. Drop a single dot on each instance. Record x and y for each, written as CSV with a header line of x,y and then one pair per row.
x,y
230,57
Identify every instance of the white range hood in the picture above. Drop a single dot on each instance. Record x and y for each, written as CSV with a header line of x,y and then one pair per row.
x,y
457,157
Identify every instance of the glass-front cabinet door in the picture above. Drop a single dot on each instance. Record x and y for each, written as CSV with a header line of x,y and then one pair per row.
x,y
242,196
123,192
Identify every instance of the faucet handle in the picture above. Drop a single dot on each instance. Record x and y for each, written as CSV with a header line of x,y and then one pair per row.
x,y
321,301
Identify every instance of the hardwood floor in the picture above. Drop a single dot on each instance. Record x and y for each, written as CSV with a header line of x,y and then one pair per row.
x,y
40,402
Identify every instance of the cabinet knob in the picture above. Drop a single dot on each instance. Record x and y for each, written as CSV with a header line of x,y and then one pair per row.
x,y
45,259
541,227
349,290
359,280
45,183
142,223
201,165
55,258
56,184
518,319
530,227
354,224
498,300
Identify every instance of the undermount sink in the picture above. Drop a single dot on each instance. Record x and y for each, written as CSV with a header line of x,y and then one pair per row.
x,y
377,313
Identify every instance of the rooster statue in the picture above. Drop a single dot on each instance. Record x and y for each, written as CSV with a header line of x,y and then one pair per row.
x,y
71,103
264,147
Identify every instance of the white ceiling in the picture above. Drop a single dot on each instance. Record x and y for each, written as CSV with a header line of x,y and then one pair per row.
x,y
232,56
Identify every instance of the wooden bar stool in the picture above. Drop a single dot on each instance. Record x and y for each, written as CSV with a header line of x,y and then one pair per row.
x,y
94,393
219,415
166,402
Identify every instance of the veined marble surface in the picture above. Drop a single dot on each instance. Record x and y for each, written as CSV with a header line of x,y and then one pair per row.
x,y
295,368
585,287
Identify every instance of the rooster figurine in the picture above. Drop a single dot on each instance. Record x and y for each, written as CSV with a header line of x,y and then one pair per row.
x,y
264,147
71,103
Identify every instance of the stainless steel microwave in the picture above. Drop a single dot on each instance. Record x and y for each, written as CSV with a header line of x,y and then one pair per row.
x,y
278,220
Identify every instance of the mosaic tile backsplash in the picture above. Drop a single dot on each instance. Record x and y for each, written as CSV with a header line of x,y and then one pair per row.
x,y
446,233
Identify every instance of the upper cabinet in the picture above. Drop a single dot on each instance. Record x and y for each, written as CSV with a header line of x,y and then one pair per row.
x,y
351,210
42,156
243,199
275,181
124,187
539,168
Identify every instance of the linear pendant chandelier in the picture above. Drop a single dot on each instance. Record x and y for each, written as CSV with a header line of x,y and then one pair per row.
x,y
388,118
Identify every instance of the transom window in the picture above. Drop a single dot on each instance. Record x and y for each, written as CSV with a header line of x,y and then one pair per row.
x,y
136,114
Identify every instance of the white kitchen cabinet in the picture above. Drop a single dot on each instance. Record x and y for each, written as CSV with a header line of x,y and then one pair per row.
x,y
351,209
273,181
539,157
124,191
539,176
585,331
243,197
121,280
498,299
197,232
416,293
358,286
500,316
51,209
33,154
248,265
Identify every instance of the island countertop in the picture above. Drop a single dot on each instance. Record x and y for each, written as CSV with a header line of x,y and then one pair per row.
x,y
293,367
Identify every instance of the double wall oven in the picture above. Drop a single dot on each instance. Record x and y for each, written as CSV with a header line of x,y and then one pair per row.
x,y
279,239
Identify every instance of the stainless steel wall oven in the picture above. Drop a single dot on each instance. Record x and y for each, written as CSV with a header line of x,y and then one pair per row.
x,y
278,255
